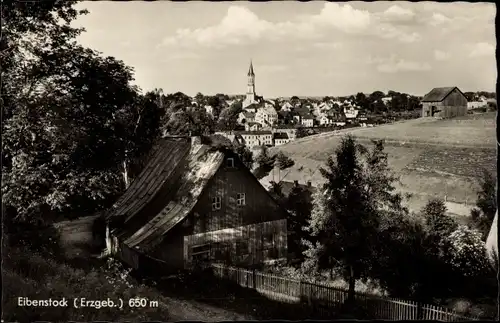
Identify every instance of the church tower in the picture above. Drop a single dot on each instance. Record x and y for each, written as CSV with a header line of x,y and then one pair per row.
x,y
251,97
251,81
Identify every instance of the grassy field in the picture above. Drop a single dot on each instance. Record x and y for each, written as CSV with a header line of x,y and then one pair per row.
x,y
434,158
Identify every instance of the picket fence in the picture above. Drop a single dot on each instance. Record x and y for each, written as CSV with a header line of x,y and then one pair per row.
x,y
326,298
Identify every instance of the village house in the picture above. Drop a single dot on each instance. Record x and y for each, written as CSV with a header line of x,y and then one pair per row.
x,y
291,131
253,126
303,116
256,138
351,112
281,138
252,108
444,102
266,116
195,203
246,117
307,121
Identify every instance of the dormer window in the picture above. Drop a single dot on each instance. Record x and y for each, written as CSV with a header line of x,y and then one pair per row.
x,y
230,162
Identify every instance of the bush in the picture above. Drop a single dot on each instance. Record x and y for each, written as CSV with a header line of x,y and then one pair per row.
x,y
467,252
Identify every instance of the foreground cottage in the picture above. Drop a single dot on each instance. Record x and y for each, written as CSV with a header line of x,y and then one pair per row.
x,y
195,202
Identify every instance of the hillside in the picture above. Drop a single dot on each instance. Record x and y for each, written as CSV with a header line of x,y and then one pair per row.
x,y
440,158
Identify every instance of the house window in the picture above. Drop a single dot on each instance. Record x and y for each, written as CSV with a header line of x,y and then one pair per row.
x,y
240,199
268,241
230,162
200,253
216,203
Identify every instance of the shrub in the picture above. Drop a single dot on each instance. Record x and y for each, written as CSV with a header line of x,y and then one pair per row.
x,y
467,252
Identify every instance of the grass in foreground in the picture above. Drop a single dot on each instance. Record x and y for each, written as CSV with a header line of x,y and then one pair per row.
x,y
30,274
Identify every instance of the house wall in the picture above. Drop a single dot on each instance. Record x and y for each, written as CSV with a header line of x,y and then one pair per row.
x,y
242,246
170,249
308,122
279,142
455,98
227,183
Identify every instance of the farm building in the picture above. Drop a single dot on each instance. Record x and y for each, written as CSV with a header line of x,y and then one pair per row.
x,y
193,202
444,102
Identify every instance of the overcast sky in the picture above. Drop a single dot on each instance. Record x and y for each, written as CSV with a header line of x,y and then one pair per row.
x,y
313,48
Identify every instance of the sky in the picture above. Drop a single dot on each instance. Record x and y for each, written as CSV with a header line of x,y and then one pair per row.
x,y
297,48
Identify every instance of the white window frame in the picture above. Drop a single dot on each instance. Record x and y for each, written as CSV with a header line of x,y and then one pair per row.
x,y
230,162
241,199
216,203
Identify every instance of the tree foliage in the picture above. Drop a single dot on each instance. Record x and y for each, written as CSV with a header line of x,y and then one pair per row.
x,y
486,205
348,209
282,161
70,116
299,205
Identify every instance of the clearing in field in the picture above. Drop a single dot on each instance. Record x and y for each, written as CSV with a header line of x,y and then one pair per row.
x,y
434,158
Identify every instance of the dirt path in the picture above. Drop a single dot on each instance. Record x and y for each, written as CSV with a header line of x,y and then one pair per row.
x,y
190,310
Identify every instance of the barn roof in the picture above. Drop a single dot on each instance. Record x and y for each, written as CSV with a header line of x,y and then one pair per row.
x,y
438,94
165,192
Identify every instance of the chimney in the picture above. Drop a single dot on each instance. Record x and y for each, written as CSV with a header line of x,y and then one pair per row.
x,y
195,140
296,183
309,183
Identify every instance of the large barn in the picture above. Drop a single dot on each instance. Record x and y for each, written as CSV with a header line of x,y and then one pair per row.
x,y
444,102
194,201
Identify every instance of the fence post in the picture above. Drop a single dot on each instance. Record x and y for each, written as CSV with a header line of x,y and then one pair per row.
x,y
420,311
254,279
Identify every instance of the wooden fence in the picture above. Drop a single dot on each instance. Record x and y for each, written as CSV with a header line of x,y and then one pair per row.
x,y
326,298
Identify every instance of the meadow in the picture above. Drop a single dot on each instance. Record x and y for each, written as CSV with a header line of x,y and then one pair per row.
x,y
433,158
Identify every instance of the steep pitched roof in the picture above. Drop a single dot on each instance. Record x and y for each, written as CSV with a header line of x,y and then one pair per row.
x,y
250,70
165,192
247,114
438,94
280,135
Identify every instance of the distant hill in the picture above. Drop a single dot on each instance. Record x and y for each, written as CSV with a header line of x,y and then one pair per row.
x,y
435,158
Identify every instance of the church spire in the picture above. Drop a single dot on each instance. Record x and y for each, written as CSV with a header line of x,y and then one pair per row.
x,y
250,70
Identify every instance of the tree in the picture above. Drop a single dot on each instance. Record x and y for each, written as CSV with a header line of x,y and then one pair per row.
x,y
436,219
375,96
362,101
486,205
228,118
245,155
188,121
414,103
301,132
264,159
276,190
282,161
348,208
299,205
65,116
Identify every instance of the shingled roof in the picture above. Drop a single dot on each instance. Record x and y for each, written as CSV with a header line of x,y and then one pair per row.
x,y
438,94
165,192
